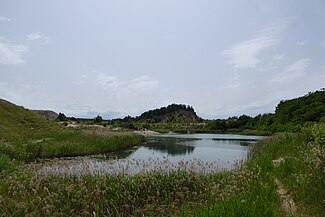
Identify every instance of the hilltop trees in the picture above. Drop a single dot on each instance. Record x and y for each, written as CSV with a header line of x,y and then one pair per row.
x,y
290,115
61,117
171,113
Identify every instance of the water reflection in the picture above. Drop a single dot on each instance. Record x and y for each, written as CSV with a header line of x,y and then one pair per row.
x,y
170,147
247,143
163,153
116,155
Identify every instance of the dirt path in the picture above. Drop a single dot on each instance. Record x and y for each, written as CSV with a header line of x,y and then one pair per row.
x,y
287,201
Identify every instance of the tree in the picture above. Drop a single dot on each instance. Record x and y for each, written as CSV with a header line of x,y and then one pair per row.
x,y
61,117
98,119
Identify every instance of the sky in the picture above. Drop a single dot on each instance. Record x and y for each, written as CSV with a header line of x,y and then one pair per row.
x,y
123,57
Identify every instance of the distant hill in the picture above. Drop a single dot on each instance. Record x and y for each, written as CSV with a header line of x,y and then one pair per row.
x,y
310,107
47,114
171,113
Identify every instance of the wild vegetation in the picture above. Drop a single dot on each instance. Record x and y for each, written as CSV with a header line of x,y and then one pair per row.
x,y
290,116
286,167
249,190
26,136
172,113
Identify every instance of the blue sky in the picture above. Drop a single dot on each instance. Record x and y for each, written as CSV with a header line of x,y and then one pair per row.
x,y
118,58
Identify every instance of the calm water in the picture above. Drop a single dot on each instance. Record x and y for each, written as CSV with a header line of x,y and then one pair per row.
x,y
164,153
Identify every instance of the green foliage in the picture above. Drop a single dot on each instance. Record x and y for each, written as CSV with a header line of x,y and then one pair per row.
x,y
26,136
5,163
302,165
290,116
310,107
98,119
171,113
61,117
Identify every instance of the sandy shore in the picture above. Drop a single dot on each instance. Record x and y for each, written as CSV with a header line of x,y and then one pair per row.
x,y
146,132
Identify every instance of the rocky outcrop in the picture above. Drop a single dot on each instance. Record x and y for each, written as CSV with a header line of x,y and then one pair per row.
x,y
171,113
47,114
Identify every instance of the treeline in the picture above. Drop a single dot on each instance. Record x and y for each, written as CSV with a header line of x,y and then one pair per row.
x,y
290,115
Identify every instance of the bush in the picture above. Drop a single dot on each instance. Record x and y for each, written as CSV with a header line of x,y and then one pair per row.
x,y
98,119
5,162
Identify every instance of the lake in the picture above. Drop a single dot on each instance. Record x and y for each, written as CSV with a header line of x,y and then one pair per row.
x,y
202,153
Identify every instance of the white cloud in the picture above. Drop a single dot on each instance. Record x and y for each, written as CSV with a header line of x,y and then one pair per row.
x,y
246,53
4,19
143,83
292,71
106,81
11,54
36,37
301,43
323,43
129,86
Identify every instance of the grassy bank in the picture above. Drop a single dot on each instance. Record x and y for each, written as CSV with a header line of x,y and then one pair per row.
x,y
63,143
298,161
210,131
25,136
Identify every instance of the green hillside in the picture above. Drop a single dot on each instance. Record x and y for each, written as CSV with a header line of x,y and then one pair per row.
x,y
293,114
310,107
290,115
18,123
27,136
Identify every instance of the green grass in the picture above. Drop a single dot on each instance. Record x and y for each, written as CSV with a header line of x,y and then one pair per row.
x,y
249,190
303,169
6,164
245,190
256,132
27,136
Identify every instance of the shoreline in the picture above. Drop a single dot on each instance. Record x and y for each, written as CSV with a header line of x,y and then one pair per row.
x,y
146,132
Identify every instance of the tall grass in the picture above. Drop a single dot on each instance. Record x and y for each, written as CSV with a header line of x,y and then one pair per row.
x,y
302,168
245,190
26,136
65,143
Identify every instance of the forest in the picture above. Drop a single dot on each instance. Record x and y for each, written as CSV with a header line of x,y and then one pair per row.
x,y
290,115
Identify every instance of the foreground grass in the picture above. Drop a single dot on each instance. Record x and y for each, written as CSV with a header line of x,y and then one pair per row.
x,y
299,163
178,193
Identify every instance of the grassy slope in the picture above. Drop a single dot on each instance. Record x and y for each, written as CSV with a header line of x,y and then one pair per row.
x,y
25,136
17,123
